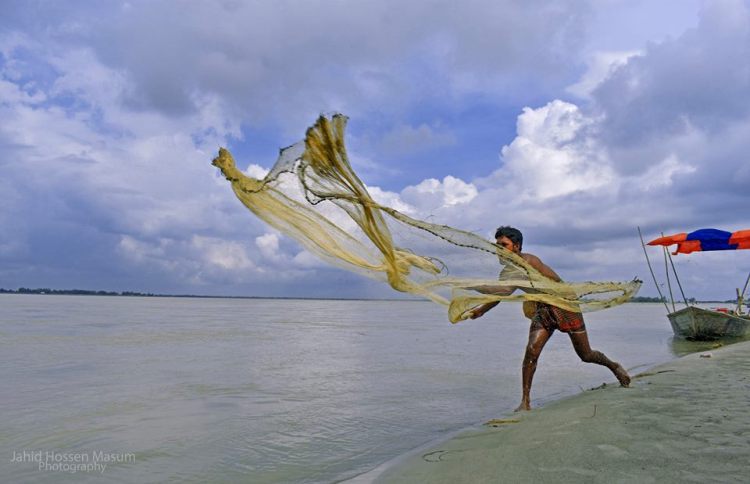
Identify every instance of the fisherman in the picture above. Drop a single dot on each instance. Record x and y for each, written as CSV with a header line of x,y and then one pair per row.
x,y
545,319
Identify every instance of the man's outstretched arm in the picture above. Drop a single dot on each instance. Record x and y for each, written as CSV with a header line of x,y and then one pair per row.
x,y
498,290
534,262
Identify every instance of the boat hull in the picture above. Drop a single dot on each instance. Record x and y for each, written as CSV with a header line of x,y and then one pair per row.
x,y
705,324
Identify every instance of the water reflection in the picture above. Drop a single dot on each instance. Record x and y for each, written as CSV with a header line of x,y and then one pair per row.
x,y
682,346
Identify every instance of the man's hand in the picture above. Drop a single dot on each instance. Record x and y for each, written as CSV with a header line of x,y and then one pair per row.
x,y
479,311
476,313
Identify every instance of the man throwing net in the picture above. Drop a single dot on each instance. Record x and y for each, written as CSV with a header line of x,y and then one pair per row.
x,y
545,319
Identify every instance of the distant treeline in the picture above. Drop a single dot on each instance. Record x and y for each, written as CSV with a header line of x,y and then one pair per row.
x,y
691,300
75,292
646,299
85,292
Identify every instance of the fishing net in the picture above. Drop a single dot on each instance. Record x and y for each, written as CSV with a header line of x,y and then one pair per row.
x,y
313,195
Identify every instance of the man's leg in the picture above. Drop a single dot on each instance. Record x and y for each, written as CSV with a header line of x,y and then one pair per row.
x,y
537,339
580,342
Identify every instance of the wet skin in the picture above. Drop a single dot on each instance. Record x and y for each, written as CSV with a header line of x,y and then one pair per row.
x,y
580,340
539,337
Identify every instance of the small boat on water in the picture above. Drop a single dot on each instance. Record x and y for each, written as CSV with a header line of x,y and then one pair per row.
x,y
702,324
693,322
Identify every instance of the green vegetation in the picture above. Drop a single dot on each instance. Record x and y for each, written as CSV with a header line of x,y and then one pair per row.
x,y
644,299
85,292
76,292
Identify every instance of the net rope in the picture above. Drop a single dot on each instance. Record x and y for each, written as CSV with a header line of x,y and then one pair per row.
x,y
313,195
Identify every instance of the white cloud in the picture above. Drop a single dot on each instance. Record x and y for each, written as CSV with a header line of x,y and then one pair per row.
x,y
13,93
662,174
554,155
305,259
390,199
268,244
227,255
432,194
148,253
256,171
600,65
204,254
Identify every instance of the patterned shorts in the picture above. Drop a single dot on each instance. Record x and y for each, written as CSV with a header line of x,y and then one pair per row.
x,y
551,318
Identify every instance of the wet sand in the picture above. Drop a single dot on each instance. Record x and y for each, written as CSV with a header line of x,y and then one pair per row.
x,y
684,421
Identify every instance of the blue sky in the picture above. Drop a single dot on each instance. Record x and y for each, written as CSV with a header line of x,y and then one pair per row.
x,y
575,121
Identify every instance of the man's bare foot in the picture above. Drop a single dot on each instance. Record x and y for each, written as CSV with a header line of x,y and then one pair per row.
x,y
622,376
525,406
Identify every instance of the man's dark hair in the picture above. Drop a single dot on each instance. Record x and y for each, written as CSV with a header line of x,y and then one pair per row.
x,y
513,234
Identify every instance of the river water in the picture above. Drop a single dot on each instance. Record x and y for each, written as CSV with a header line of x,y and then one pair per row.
x,y
263,390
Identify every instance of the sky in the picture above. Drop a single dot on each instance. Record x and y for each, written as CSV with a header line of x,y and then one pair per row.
x,y
575,121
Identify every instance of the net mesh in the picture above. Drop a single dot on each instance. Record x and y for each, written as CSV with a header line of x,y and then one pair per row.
x,y
313,195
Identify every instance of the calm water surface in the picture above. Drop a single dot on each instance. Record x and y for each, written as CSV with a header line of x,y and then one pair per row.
x,y
231,390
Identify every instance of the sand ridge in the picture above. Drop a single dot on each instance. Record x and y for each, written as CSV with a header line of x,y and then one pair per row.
x,y
685,421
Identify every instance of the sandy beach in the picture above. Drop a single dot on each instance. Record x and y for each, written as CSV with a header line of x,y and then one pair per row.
x,y
684,421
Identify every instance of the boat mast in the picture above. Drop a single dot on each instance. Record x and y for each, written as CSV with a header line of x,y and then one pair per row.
x,y
648,261
741,295
684,299
666,273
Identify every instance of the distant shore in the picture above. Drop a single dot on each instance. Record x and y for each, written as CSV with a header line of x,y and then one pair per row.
x,y
88,292
686,420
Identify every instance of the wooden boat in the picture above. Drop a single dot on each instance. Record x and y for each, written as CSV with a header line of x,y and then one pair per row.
x,y
692,322
701,324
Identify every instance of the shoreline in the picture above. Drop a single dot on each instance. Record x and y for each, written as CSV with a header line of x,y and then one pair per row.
x,y
680,420
136,294
104,294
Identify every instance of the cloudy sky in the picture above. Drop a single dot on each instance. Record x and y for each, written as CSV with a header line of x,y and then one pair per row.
x,y
575,121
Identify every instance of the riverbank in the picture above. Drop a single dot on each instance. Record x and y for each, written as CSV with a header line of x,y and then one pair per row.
x,y
686,421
